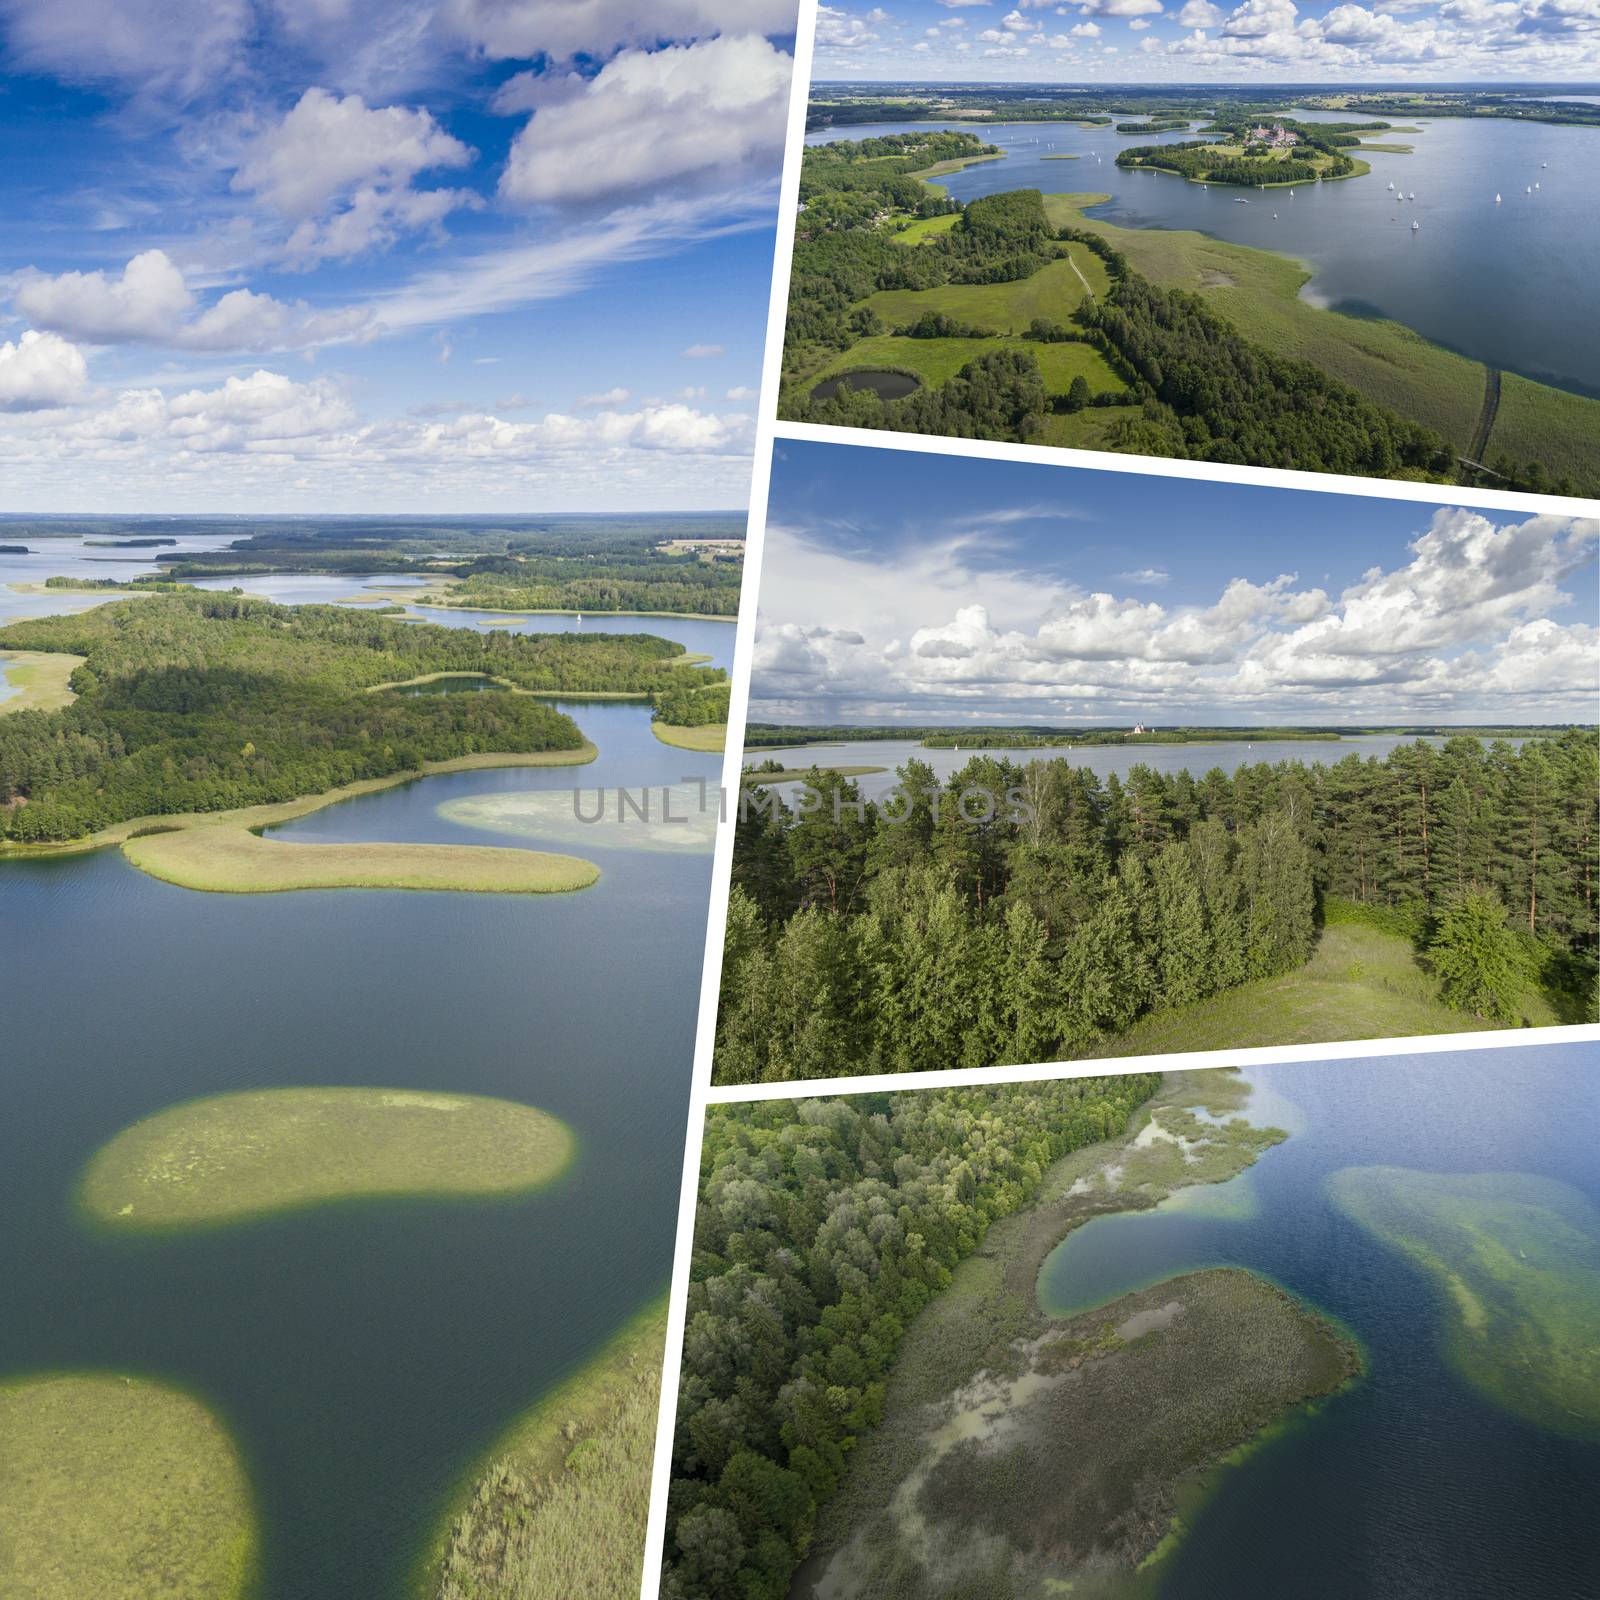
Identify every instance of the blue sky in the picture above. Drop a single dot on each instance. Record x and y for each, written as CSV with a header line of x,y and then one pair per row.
x,y
925,588
402,255
1199,41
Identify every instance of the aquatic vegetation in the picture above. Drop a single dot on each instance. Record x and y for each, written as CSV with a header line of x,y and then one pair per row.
x,y
560,1506
119,1488
709,738
671,816
1517,1260
232,1157
234,860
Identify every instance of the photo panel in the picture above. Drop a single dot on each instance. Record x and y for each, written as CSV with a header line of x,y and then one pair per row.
x,y
1320,1328
1201,234
1045,763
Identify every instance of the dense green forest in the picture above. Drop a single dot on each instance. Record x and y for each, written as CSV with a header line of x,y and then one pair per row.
x,y
1197,388
1024,912
686,706
643,580
824,1226
203,702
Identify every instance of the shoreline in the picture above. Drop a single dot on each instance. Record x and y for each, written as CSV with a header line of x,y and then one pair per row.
x,y
272,812
987,1340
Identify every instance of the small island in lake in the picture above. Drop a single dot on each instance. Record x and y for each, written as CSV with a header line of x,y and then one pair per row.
x,y
120,1488
233,1157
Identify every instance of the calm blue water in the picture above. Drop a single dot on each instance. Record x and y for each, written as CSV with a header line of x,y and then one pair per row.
x,y
364,1356
1513,284
1410,1485
1103,760
77,558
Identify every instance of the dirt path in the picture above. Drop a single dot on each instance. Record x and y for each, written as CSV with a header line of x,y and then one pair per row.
x,y
1491,405
1090,292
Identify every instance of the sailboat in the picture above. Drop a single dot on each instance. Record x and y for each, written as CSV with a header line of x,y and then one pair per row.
x,y
1497,199
1530,189
1536,183
1415,224
1391,185
1412,195
1274,216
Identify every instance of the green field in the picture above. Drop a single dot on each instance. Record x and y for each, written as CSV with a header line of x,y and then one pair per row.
x,y
708,738
1054,293
559,1507
1259,292
1516,1262
936,361
921,229
232,1157
224,859
40,677
119,1488
1360,983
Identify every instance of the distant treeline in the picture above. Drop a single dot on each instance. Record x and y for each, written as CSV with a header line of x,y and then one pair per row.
x,y
1197,389
824,1226
760,735
1023,912
203,702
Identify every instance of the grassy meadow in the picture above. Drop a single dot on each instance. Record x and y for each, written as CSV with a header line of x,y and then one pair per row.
x,y
559,1508
119,1488
40,679
233,1157
1360,983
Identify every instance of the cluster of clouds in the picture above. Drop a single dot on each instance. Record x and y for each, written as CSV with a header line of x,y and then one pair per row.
x,y
1201,39
637,131
1462,628
277,428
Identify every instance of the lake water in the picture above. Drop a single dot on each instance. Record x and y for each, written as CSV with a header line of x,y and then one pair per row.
x,y
1513,284
1103,760
365,1356
1410,1485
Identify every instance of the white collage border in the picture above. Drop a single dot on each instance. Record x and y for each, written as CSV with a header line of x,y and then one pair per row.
x,y
768,432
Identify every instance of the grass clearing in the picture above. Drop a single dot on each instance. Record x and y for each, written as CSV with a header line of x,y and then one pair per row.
x,y
119,1488
560,1506
921,229
709,738
1360,983
1516,1261
936,361
222,859
1053,292
234,1157
40,679
1259,292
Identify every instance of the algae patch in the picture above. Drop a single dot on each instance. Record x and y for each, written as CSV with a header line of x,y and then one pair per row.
x,y
1516,1259
672,816
237,1156
119,1488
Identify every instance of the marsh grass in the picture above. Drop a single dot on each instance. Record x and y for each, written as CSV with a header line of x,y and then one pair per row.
x,y
119,1488
1259,291
709,738
40,679
559,1508
230,860
233,1157
1020,1451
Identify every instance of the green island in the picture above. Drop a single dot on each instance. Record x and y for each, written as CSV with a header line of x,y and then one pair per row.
x,y
195,720
235,1157
709,738
1514,1261
1061,917
559,1506
938,1432
115,1487
1024,319
661,566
